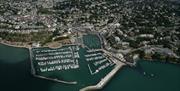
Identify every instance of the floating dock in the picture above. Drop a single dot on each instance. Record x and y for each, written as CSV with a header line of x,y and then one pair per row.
x,y
106,79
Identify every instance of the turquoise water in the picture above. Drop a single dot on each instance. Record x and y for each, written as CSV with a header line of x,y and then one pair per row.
x,y
15,75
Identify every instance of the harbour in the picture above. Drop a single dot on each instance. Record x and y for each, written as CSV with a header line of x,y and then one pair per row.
x,y
89,45
66,64
166,76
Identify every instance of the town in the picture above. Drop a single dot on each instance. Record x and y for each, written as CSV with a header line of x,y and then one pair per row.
x,y
65,36
125,24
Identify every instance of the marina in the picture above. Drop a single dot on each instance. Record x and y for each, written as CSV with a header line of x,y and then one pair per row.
x,y
97,61
66,64
19,68
65,59
53,63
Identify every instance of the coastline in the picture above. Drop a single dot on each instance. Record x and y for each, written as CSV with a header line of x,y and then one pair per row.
x,y
23,45
52,80
99,85
115,84
11,44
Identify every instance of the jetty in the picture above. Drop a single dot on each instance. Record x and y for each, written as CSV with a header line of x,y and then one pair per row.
x,y
56,80
106,79
33,71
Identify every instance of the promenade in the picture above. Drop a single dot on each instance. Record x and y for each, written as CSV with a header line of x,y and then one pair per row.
x,y
14,44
